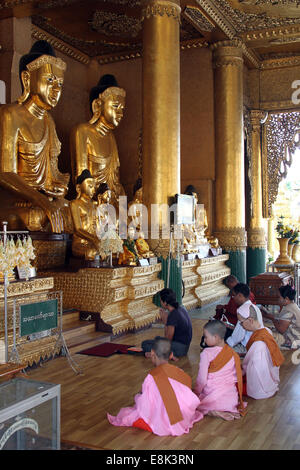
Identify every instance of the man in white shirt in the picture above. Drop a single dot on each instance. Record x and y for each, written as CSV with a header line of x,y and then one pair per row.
x,y
240,336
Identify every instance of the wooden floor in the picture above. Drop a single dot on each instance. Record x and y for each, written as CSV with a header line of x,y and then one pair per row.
x,y
107,384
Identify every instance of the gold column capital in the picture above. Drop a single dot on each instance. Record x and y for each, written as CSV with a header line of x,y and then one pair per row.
x,y
256,237
160,8
228,53
237,43
232,238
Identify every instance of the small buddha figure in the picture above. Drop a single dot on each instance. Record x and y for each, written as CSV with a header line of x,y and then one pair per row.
x,y
134,208
200,224
142,247
33,187
130,255
107,223
213,241
189,239
85,243
93,145
105,212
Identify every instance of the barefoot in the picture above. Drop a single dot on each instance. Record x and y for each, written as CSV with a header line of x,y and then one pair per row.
x,y
222,414
174,358
148,354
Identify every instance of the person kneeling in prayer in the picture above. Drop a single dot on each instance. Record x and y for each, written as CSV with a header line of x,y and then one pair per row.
x,y
219,381
178,325
263,359
166,406
240,337
286,324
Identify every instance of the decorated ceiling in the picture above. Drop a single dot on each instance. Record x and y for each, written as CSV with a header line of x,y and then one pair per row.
x,y
112,29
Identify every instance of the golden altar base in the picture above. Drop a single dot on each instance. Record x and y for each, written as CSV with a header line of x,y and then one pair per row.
x,y
120,299
29,352
50,250
203,280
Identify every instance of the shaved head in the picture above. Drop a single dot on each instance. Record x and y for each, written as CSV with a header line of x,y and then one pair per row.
x,y
162,348
216,327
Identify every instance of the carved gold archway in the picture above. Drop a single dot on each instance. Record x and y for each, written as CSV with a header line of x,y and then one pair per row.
x,y
278,146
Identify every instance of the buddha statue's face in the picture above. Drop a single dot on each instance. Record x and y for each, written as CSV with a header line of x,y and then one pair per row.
x,y
113,108
46,84
105,197
88,187
138,197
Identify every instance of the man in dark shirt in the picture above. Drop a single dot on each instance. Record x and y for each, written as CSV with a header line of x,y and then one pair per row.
x,y
178,325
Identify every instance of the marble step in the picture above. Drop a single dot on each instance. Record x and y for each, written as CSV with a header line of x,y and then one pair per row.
x,y
81,334
69,316
78,328
86,341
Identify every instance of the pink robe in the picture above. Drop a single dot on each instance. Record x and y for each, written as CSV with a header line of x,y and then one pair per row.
x,y
217,391
261,375
150,407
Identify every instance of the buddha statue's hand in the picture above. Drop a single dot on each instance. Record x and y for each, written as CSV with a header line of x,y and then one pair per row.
x,y
56,221
103,128
58,190
53,211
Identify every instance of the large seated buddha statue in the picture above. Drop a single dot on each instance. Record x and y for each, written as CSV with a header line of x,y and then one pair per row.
x,y
32,187
93,145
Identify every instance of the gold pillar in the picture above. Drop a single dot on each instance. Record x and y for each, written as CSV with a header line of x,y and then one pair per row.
x,y
161,102
16,40
256,252
271,236
229,187
256,232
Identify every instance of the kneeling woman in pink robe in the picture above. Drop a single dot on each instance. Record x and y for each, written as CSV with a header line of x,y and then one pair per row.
x,y
219,381
263,359
166,406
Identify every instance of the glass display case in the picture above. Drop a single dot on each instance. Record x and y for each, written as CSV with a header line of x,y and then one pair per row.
x,y
29,415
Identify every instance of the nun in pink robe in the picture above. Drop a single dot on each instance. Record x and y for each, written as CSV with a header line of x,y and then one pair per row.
x,y
150,408
217,391
262,377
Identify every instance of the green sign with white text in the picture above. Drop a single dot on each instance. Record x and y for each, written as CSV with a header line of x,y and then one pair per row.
x,y
37,317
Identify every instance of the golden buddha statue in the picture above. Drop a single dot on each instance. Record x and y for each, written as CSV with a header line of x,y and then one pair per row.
x,y
134,207
29,147
85,243
93,144
130,255
142,247
135,220
104,217
107,223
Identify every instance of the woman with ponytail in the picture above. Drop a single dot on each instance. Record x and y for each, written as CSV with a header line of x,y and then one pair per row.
x,y
178,325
